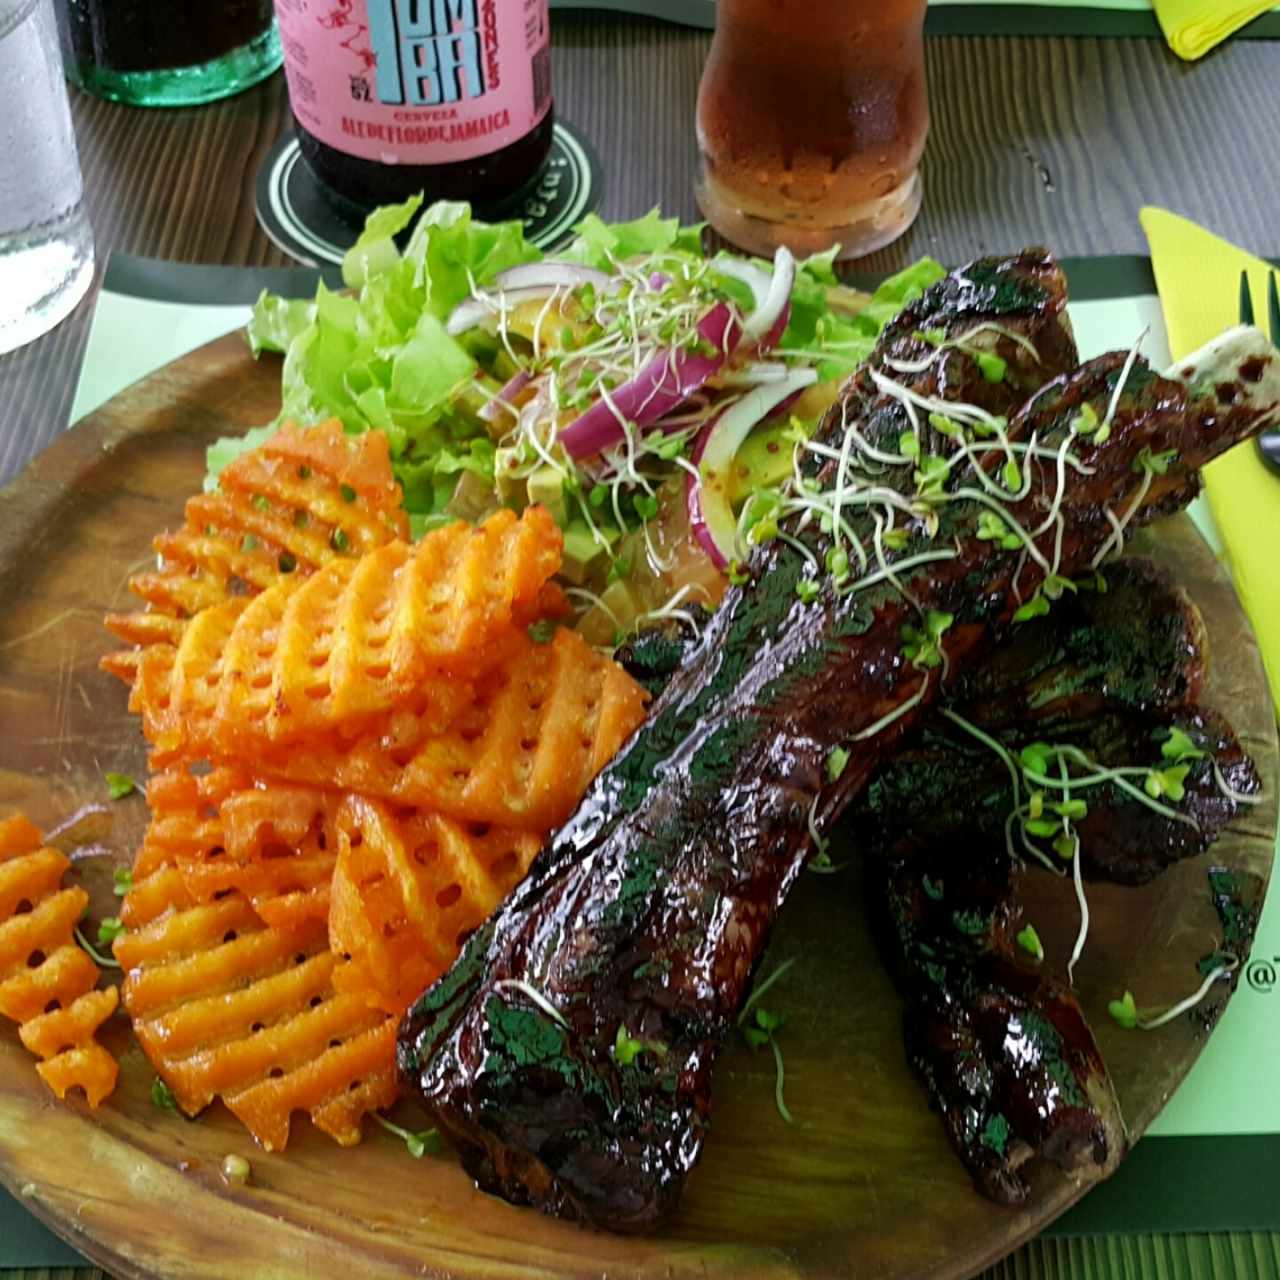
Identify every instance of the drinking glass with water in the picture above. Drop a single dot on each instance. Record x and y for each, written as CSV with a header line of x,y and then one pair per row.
x,y
46,246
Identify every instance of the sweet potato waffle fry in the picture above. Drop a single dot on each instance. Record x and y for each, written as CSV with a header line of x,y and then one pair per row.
x,y
295,503
328,654
48,985
407,890
226,1006
275,845
520,755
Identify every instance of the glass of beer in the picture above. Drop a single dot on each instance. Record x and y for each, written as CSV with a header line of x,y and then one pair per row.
x,y
812,117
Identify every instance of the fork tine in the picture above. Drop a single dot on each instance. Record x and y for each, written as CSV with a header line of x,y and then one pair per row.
x,y
1246,301
1273,309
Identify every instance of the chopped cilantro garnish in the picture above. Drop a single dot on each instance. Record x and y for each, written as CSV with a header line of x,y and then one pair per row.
x,y
542,631
162,1095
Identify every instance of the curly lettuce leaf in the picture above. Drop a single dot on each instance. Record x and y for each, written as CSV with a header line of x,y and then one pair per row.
x,y
277,321
600,244
380,357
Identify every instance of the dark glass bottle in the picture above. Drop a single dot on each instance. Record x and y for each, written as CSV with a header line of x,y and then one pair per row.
x,y
448,97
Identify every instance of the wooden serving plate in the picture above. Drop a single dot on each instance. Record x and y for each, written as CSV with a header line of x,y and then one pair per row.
x,y
864,1183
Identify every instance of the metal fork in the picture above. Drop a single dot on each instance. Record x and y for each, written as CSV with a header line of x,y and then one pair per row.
x,y
1268,441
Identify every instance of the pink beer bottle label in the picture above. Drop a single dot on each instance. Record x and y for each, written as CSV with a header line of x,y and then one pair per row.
x,y
419,82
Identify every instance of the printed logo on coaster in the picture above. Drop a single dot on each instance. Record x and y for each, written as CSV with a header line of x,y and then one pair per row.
x,y
294,213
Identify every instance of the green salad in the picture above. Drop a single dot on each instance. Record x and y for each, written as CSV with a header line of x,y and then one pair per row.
x,y
649,395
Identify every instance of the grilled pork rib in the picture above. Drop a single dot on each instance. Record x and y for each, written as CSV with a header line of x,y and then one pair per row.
x,y
1002,1048
1109,672
644,917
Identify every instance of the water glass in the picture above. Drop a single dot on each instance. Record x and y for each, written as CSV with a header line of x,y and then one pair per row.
x,y
46,246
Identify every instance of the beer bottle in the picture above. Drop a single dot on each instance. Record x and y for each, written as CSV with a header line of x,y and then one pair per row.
x,y
448,97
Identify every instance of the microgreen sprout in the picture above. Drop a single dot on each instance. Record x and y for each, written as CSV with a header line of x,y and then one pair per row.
x,y
820,862
102,961
532,992
627,1048
1086,422
991,528
1125,1010
119,785
1029,940
122,881
418,1144
1178,747
837,761
1155,463
1160,783
109,930
923,646
761,1028
1036,607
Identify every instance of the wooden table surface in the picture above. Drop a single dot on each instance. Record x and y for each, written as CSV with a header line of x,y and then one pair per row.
x,y
1057,141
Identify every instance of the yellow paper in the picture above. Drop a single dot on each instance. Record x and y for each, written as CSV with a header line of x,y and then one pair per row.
x,y
1193,27
1198,278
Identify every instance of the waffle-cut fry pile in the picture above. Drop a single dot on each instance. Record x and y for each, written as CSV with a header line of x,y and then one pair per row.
x,y
356,762
297,502
48,985
227,1006
330,654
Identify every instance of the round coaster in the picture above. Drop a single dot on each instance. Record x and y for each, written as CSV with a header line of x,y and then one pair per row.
x,y
296,216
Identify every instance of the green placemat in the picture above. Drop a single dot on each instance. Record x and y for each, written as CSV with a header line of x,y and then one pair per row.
x,y
1118,18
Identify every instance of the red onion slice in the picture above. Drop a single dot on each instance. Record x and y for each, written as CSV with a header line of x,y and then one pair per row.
x,y
665,382
493,412
710,512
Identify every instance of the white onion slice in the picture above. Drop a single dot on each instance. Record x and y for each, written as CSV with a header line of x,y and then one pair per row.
x,y
768,309
710,512
475,310
771,291
553,273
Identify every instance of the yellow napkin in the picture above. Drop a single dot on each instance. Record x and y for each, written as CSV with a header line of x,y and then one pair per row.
x,y
1193,27
1198,277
